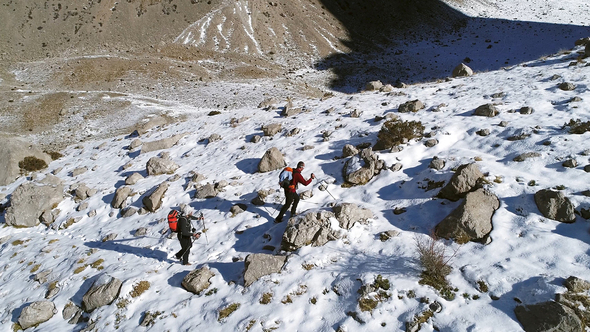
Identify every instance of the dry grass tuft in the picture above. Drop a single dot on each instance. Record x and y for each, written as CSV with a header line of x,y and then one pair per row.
x,y
140,288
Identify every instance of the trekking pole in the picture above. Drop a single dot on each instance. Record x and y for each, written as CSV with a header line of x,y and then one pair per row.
x,y
325,186
204,227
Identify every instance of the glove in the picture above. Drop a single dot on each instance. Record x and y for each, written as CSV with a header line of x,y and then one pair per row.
x,y
312,176
197,235
193,230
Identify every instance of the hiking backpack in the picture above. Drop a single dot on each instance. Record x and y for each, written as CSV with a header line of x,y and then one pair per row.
x,y
286,177
173,220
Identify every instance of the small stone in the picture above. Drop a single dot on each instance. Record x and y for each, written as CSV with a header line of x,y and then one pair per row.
x,y
483,132
565,86
503,124
526,110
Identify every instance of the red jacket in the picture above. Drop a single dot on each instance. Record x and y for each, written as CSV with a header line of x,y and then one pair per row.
x,y
298,178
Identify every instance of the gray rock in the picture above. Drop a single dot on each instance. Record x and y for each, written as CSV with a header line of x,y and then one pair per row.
x,y
83,206
109,237
153,201
525,156
472,220
554,205
156,121
488,110
79,171
462,70
437,163
396,167
12,151
291,111
214,138
356,113
255,139
238,208
205,191
197,281
431,142
463,181
36,313
128,212
120,198
360,169
135,143
52,292
312,228
349,150
503,124
271,129
570,163
133,179
29,201
157,166
306,194
103,291
42,276
51,180
587,168
565,86
268,102
373,85
483,132
548,317
261,197
72,313
47,217
387,235
411,106
526,110
161,144
386,88
82,192
576,285
271,161
348,214
257,266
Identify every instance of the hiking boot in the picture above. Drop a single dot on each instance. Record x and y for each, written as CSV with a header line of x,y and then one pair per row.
x,y
278,220
186,263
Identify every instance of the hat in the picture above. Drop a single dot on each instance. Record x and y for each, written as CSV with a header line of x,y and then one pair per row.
x,y
185,209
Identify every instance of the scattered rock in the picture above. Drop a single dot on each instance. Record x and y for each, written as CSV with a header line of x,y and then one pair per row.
x,y
462,70
142,231
135,143
255,139
157,166
431,142
272,160
271,129
396,167
197,281
133,179
570,163
349,150
312,228
79,171
12,151
238,208
205,191
214,138
483,132
153,201
360,169
554,205
547,316
103,291
463,181
411,106
348,214
488,110
36,313
503,124
128,212
387,235
526,110
268,103
29,201
526,155
120,198
356,113
576,285
257,266
565,86
437,163
373,85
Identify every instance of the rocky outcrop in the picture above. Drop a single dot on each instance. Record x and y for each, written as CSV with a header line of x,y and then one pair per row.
x,y
157,166
554,205
272,160
463,181
462,70
312,228
257,266
29,201
153,201
12,151
348,214
361,168
103,291
82,192
197,281
472,220
36,313
548,317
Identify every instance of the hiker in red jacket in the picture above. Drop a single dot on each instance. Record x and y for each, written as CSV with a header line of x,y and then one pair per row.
x,y
291,191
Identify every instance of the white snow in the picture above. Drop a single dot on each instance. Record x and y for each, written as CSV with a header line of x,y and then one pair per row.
x,y
528,258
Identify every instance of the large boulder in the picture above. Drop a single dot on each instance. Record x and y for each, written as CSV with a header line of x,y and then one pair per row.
x,y
12,151
554,205
462,70
120,197
272,160
411,106
260,265
272,129
103,291
153,201
36,313
488,110
463,181
348,214
472,220
197,281
548,317
157,166
312,228
361,168
206,191
161,144
29,201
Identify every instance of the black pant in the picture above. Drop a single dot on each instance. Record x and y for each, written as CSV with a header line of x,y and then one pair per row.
x,y
185,244
292,198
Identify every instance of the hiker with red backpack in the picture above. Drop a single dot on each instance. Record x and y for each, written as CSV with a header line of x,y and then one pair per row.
x,y
186,233
290,187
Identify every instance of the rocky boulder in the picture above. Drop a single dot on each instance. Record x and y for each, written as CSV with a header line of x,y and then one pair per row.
x,y
411,106
472,220
312,228
373,85
272,160
462,70
36,313
348,214
576,285
82,192
12,151
133,179
361,168
197,281
260,265
162,144
463,181
206,191
103,291
29,201
271,129
554,205
548,317
488,110
157,166
153,201
120,197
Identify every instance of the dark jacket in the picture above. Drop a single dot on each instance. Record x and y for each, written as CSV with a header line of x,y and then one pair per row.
x,y
298,178
184,227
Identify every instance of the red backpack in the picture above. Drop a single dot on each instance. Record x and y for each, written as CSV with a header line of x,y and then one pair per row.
x,y
173,220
